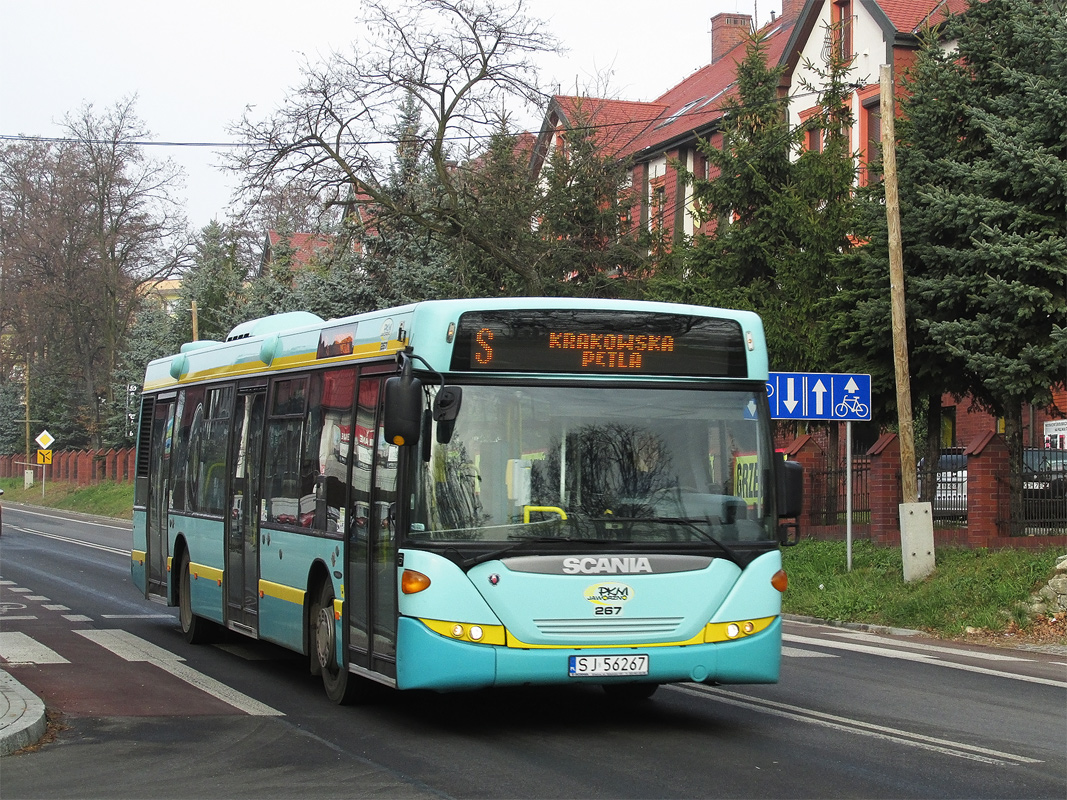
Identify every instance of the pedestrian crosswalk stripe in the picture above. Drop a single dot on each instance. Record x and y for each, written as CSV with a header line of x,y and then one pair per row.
x,y
18,648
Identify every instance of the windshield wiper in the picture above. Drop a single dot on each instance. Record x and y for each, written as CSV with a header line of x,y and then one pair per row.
x,y
693,523
528,542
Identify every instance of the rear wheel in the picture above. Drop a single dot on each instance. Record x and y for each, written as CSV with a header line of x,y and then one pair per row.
x,y
341,686
197,630
630,692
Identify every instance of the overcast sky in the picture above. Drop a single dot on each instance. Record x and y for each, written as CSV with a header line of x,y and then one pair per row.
x,y
195,65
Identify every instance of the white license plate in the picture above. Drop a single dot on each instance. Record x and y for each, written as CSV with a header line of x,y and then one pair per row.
x,y
608,665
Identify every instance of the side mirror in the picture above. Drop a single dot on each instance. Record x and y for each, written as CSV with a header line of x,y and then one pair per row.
x,y
446,404
790,488
445,410
403,409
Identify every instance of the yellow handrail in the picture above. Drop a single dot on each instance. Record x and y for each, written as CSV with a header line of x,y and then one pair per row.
x,y
550,509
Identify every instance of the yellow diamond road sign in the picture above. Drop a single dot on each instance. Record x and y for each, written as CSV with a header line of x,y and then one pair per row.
x,y
45,440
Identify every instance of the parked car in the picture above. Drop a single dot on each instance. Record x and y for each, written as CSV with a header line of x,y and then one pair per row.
x,y
950,479
1045,484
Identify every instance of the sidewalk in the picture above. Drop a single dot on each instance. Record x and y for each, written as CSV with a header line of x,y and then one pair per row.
x,y
22,718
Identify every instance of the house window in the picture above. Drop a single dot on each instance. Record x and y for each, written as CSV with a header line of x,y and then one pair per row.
x,y
871,133
841,19
813,132
814,140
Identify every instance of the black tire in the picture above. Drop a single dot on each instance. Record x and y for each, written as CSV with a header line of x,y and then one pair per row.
x,y
196,630
341,686
630,692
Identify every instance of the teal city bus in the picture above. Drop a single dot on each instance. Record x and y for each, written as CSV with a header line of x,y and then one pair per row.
x,y
460,494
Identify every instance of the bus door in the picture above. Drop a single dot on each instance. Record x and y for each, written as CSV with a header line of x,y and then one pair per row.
x,y
371,586
160,448
242,518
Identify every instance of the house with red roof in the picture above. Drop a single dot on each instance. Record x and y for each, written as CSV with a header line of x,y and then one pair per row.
x,y
306,248
655,135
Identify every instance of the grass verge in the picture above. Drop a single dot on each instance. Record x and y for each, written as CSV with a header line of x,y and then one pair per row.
x,y
978,589
106,499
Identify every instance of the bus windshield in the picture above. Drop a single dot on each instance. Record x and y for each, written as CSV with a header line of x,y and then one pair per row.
x,y
619,464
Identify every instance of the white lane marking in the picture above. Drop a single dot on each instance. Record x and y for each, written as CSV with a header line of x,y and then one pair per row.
x,y
69,540
7,583
56,607
920,658
810,716
18,648
20,590
77,618
36,598
126,527
133,648
137,616
929,648
796,652
6,617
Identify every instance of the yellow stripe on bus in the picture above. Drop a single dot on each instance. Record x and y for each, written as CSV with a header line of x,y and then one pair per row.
x,y
197,571
281,592
279,364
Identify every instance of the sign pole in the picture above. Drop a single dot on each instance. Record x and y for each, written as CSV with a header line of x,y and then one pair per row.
x,y
848,492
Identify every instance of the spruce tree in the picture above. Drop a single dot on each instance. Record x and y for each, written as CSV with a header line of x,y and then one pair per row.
x,y
987,185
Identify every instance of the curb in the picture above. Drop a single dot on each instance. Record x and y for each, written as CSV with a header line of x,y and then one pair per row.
x,y
854,626
23,721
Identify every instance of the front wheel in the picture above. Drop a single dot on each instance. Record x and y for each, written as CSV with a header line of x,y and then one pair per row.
x,y
340,685
196,630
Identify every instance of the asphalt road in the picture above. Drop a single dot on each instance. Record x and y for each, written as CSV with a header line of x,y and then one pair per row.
x,y
855,714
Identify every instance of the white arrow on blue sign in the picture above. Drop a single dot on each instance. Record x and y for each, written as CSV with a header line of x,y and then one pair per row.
x,y
819,395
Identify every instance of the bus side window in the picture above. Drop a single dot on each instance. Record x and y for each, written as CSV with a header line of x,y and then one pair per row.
x,y
208,450
283,487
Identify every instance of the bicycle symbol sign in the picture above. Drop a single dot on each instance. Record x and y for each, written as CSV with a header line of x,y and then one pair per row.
x,y
819,395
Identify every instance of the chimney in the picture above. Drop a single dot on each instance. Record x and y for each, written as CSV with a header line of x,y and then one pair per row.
x,y
791,8
726,31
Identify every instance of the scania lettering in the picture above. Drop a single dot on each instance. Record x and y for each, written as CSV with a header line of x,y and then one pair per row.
x,y
591,565
473,493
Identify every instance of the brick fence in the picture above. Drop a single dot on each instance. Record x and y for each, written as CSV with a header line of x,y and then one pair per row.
x,y
82,467
988,503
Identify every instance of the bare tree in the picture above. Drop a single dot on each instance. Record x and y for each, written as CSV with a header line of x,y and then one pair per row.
x,y
87,223
461,61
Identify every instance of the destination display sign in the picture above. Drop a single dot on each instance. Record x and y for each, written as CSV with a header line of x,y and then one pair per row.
x,y
583,341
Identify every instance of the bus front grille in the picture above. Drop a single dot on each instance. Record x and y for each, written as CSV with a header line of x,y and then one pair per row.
x,y
608,628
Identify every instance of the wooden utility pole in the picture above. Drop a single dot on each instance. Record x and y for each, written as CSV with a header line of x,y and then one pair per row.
x,y
916,519
196,334
909,483
27,411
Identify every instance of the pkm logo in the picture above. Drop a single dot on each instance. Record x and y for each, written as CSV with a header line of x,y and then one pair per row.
x,y
609,594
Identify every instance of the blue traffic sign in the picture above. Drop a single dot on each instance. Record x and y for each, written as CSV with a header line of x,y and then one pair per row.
x,y
819,395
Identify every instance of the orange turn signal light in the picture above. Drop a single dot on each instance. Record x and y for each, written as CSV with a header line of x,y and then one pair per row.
x,y
780,580
412,582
